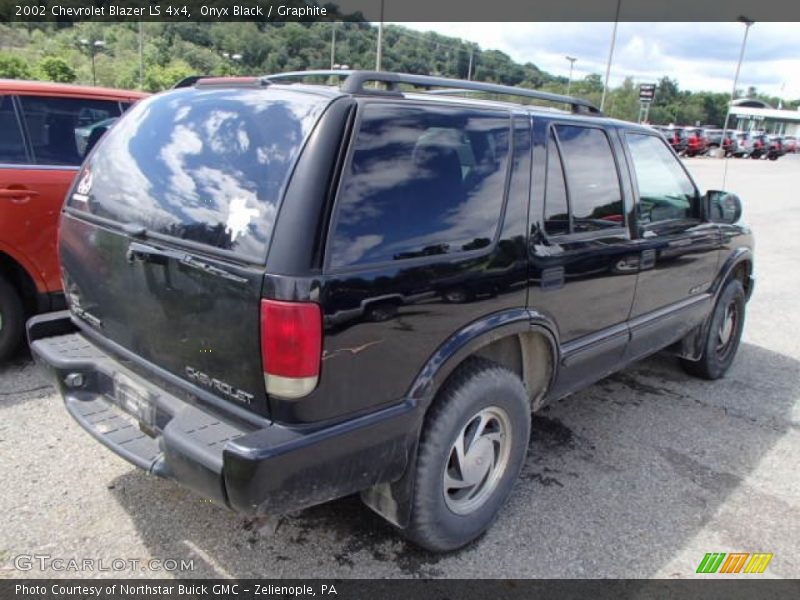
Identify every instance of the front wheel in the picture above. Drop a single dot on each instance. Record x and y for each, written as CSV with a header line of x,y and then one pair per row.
x,y
472,448
723,335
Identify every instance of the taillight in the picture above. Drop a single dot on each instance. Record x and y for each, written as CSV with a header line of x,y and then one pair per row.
x,y
291,347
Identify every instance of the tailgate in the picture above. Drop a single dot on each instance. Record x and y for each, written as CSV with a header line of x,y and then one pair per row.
x,y
166,230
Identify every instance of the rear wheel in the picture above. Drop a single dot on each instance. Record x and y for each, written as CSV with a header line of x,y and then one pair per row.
x,y
723,335
471,451
12,319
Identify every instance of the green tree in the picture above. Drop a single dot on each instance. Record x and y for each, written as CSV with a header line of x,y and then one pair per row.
x,y
13,67
52,68
160,78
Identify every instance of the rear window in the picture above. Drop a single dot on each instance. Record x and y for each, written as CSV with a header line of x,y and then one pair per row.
x,y
206,166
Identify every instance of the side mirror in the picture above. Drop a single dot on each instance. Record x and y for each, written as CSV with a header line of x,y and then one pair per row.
x,y
722,207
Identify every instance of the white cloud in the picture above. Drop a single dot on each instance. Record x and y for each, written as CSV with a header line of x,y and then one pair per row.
x,y
701,56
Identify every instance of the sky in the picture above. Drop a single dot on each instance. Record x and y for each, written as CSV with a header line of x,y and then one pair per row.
x,y
700,56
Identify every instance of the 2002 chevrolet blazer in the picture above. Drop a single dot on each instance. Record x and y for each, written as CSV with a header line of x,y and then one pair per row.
x,y
280,293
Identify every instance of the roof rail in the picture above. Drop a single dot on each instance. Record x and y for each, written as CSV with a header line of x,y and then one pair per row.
x,y
354,84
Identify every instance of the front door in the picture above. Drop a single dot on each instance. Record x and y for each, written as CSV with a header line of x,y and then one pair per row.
x,y
678,249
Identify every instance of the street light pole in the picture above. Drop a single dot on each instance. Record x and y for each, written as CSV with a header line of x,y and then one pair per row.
x,y
380,42
93,46
571,60
232,60
747,23
610,56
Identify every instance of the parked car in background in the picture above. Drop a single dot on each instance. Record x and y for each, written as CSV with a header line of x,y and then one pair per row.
x,y
696,142
760,145
46,130
790,144
775,148
742,144
714,139
676,137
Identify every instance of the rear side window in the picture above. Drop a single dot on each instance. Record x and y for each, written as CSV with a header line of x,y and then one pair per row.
x,y
582,185
556,218
12,148
421,182
59,128
206,166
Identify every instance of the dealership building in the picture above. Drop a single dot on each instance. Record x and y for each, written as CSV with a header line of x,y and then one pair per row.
x,y
748,114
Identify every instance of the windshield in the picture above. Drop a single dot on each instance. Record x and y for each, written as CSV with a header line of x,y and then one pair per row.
x,y
207,166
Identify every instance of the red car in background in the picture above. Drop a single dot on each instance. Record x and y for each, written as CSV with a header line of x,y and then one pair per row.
x,y
696,141
47,130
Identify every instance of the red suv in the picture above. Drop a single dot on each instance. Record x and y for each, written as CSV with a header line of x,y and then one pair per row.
x,y
47,129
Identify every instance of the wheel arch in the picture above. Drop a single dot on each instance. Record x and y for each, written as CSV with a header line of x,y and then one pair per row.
x,y
739,265
521,340
21,279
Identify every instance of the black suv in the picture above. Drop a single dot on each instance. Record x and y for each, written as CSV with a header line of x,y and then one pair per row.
x,y
282,292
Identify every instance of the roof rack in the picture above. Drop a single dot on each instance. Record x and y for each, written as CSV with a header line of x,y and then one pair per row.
x,y
354,83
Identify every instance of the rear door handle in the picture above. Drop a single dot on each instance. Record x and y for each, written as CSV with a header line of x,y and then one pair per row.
x,y
145,253
18,193
160,256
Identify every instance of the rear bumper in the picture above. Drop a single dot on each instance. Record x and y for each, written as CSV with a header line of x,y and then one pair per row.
x,y
268,470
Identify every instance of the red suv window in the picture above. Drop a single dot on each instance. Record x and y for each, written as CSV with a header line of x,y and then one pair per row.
x,y
12,148
57,126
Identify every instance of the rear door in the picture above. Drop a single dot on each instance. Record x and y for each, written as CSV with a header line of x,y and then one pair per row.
x,y
583,260
678,249
166,231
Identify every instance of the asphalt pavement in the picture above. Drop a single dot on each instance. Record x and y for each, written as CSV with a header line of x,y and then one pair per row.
x,y
639,475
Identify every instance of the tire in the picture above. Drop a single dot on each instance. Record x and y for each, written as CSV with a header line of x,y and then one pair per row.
x,y
723,335
458,296
12,319
481,395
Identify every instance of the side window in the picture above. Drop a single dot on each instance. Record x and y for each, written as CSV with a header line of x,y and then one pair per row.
x,y
556,217
12,148
422,181
595,197
60,128
665,191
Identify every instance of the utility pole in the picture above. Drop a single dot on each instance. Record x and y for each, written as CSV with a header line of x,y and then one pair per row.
x,y
747,23
610,56
469,69
141,56
333,44
380,42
